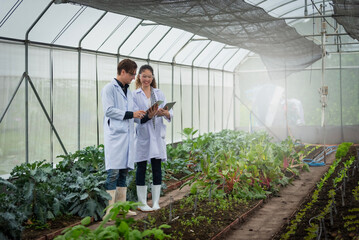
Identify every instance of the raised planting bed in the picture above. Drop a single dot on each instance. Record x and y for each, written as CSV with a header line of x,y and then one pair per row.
x,y
332,209
51,229
192,218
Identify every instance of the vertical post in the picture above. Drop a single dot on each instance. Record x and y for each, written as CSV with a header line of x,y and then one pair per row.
x,y
172,63
286,99
341,95
97,105
27,81
79,85
192,96
26,102
79,98
222,99
234,93
51,104
234,101
214,89
172,97
324,96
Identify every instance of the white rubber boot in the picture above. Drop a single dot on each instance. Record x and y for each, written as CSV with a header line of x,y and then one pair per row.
x,y
110,202
121,197
142,198
156,192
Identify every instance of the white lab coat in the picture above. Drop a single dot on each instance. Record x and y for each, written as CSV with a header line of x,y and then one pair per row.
x,y
150,142
118,133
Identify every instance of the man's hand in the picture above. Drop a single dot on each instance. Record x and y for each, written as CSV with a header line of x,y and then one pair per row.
x,y
139,114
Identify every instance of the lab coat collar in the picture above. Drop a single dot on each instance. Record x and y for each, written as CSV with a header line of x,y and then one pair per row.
x,y
118,88
139,90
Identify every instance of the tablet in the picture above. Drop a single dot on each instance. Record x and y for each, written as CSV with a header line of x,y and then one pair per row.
x,y
159,102
169,105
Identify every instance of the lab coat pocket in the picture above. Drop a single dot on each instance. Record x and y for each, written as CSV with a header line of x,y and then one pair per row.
x,y
163,131
118,126
142,131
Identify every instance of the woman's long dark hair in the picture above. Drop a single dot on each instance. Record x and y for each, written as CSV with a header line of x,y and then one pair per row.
x,y
142,69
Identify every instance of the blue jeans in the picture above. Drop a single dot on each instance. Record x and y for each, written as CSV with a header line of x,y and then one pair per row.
x,y
116,178
156,172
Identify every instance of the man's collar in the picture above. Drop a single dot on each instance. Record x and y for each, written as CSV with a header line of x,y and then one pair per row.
x,y
121,85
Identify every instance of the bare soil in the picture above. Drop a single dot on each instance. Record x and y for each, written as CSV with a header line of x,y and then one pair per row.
x,y
345,204
34,232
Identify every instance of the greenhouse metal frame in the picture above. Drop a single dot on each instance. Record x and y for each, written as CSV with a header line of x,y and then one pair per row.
x,y
57,55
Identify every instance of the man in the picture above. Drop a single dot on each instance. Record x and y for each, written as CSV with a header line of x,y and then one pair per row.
x,y
118,108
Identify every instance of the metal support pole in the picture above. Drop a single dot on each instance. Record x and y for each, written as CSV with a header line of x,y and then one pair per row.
x,y
194,59
45,112
223,99
323,96
158,42
172,96
234,90
143,39
12,97
209,64
173,63
97,105
51,105
286,100
26,81
79,98
79,82
234,102
128,36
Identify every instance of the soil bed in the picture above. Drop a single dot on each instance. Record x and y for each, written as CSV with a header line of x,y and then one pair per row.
x,y
340,229
58,223
201,220
314,152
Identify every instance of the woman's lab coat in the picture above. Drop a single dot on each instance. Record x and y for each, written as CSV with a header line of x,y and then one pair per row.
x,y
150,142
118,133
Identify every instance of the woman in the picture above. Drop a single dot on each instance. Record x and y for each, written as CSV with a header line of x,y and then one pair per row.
x,y
150,136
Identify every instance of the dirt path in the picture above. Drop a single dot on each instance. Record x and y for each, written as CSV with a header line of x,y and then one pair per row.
x,y
266,221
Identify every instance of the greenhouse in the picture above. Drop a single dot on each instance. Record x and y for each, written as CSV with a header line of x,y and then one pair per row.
x,y
264,91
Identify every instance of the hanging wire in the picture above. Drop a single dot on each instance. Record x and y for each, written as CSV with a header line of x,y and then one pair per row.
x,y
321,14
69,23
10,12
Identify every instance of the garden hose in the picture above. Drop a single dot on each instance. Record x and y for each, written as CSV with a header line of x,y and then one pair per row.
x,y
318,160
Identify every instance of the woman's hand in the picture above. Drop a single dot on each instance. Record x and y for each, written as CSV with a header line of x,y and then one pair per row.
x,y
139,114
163,112
152,111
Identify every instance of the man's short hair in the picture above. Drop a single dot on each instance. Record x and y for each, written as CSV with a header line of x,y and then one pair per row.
x,y
128,65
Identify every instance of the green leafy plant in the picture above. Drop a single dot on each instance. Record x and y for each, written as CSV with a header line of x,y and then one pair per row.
x,y
88,160
88,196
120,230
11,218
36,195
343,149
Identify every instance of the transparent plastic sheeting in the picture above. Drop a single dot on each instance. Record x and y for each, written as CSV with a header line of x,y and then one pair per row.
x,y
291,107
347,14
233,22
